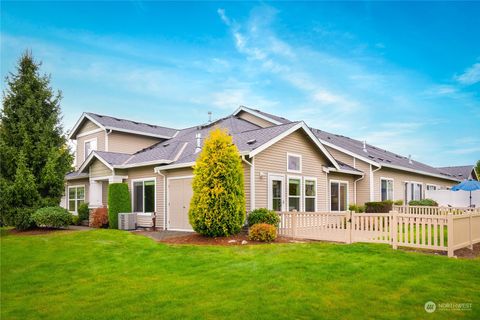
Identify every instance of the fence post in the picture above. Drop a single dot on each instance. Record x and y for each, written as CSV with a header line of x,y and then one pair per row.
x,y
470,231
450,234
348,227
294,223
394,229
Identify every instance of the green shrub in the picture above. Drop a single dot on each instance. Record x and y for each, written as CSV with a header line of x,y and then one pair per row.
x,y
22,218
83,212
262,232
217,207
423,202
99,218
54,217
263,215
75,220
398,202
356,208
378,206
118,202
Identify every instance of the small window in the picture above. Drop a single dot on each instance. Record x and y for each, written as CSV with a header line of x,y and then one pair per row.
x,y
294,194
431,187
387,189
294,163
76,196
144,196
310,195
90,146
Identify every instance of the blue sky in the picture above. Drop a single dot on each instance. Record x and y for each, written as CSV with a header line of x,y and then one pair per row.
x,y
403,76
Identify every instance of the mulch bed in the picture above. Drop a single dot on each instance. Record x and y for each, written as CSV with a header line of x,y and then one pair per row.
x,y
197,239
466,253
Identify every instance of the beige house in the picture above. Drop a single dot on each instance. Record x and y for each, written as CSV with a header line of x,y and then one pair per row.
x,y
287,166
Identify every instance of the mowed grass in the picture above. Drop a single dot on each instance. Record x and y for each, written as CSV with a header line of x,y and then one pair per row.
x,y
108,274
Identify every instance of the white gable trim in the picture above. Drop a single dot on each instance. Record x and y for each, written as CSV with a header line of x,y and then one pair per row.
x,y
90,158
334,146
307,130
174,166
79,122
256,114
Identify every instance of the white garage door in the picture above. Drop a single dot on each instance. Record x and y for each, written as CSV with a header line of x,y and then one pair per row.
x,y
179,194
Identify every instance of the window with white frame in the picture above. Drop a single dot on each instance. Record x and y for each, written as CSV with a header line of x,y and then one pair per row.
x,y
294,163
413,191
310,194
431,187
386,188
76,196
294,194
338,195
89,146
144,196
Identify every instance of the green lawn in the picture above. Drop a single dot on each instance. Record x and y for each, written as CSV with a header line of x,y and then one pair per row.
x,y
106,274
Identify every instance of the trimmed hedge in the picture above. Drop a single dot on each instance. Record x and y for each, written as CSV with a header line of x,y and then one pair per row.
x,y
54,217
356,208
378,206
262,232
423,202
263,215
118,202
83,212
398,202
22,218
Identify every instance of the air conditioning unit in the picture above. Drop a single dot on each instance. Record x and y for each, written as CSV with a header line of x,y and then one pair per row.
x,y
127,221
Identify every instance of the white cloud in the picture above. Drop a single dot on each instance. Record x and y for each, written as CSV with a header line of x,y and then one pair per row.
x,y
470,76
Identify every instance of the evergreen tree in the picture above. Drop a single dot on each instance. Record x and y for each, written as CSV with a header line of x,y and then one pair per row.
x,y
217,207
33,147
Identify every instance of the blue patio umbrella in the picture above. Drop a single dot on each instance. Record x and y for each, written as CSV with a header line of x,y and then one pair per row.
x,y
467,185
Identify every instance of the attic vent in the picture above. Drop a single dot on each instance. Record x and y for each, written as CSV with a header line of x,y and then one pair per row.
x,y
371,157
381,159
251,141
166,145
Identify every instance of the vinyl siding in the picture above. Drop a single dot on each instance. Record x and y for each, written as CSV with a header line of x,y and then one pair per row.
x,y
246,183
105,193
274,160
343,157
128,143
147,172
98,169
399,177
87,126
80,157
253,119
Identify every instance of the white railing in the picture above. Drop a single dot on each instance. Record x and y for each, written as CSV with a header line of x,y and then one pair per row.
x,y
444,230
428,210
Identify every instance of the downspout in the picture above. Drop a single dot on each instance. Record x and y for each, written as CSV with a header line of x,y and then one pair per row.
x,y
355,187
107,132
164,197
252,181
372,184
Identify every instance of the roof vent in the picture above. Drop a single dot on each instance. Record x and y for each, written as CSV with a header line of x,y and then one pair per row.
x,y
166,145
251,141
209,116
410,159
198,137
365,146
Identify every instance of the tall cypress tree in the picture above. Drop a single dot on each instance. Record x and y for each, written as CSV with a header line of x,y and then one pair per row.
x,y
32,141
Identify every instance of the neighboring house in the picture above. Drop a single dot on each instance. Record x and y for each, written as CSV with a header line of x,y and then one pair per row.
x,y
461,172
287,166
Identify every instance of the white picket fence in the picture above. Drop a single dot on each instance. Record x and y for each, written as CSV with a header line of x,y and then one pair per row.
x,y
444,230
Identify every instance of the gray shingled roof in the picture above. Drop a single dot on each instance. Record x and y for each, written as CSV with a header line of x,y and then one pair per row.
x,y
113,158
344,166
123,124
459,172
269,115
378,155
76,175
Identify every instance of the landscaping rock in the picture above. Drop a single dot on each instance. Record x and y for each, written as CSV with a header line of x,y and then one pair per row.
x,y
232,241
244,241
